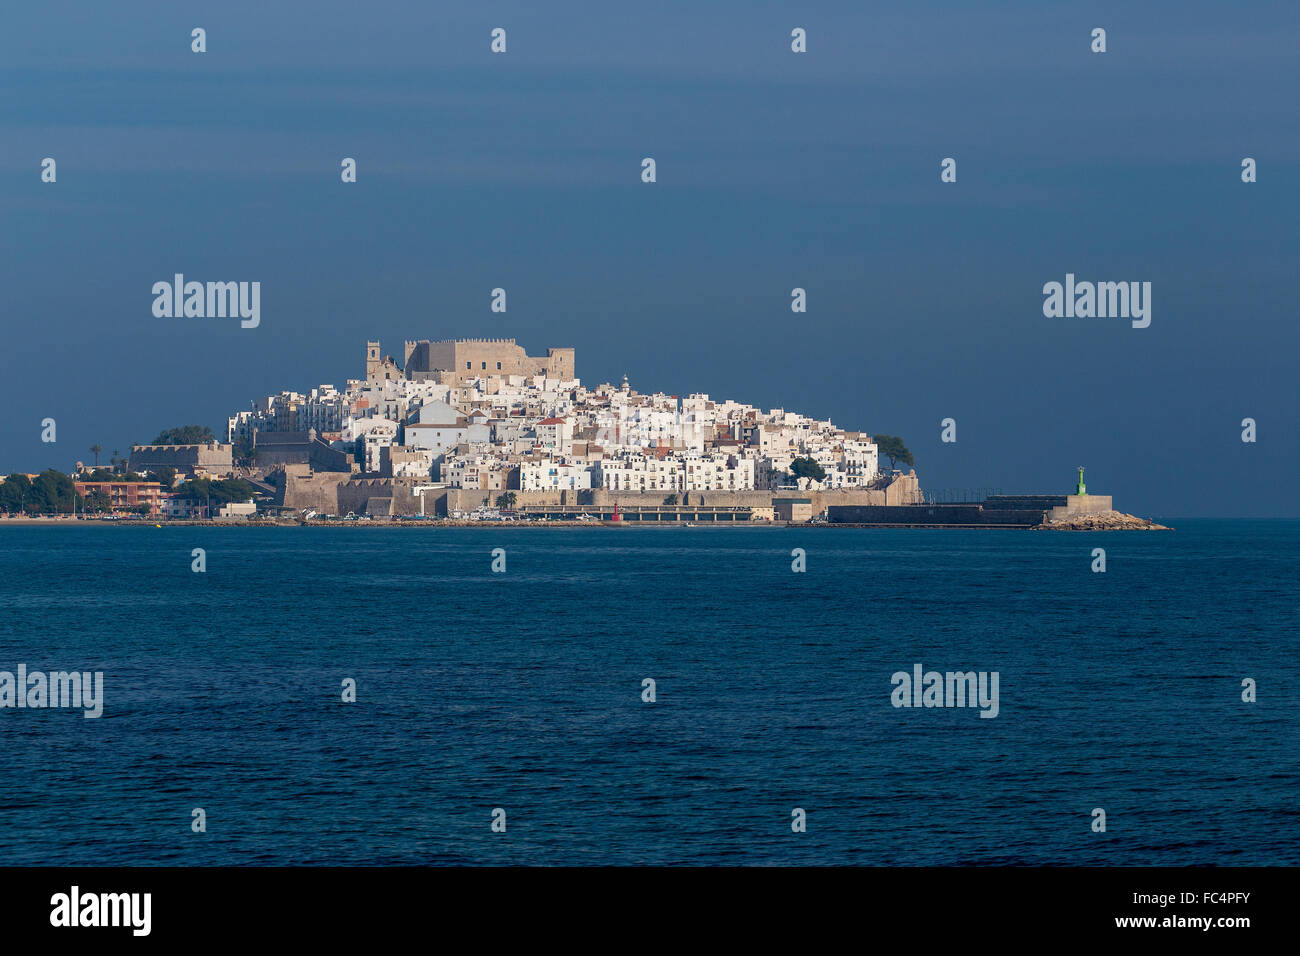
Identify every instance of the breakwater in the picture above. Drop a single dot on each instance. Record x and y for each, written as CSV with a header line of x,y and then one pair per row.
x,y
1052,512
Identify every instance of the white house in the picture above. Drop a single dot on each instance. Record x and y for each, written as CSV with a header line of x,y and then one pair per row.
x,y
552,475
555,434
439,427
634,472
717,473
376,433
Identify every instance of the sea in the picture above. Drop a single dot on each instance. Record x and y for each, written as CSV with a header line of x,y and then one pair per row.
x,y
504,717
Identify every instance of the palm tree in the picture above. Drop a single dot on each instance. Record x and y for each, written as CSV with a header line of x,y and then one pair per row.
x,y
115,458
95,450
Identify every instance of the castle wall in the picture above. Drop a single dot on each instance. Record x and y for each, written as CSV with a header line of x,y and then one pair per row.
x,y
305,490
463,359
560,364
213,457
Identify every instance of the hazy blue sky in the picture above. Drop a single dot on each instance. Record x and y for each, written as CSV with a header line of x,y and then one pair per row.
x,y
775,170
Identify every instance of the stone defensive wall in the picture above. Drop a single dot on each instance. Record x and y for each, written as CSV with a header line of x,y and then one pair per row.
x,y
381,496
214,457
334,493
299,448
904,490
302,490
337,494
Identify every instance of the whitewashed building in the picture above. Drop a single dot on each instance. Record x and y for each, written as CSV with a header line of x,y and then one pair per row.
x,y
553,475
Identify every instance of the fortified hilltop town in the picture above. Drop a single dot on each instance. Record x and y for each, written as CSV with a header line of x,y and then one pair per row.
x,y
458,425
479,429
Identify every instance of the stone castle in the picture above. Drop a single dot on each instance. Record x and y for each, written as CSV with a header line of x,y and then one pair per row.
x,y
453,361
209,458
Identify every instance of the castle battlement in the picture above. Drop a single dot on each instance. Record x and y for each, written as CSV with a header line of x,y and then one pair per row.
x,y
205,446
452,361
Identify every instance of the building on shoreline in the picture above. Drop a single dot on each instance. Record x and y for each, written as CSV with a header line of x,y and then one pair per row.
x,y
123,495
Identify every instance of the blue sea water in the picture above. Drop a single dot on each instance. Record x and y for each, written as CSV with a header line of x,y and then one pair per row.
x,y
522,690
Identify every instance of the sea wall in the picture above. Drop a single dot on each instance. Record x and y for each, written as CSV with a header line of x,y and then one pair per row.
x,y
968,514
302,489
1079,505
1024,511
336,493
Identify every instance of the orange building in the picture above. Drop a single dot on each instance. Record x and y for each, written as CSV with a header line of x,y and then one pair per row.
x,y
125,494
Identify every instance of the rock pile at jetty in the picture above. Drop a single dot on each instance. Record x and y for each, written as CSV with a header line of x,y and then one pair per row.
x,y
1104,521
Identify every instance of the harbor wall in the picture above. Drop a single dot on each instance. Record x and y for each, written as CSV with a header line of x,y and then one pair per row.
x,y
1014,510
1077,505
968,514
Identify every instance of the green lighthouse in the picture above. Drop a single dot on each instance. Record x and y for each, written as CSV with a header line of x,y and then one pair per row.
x,y
1082,489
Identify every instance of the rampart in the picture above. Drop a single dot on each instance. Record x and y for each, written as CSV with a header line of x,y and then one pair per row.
x,y
334,493
213,457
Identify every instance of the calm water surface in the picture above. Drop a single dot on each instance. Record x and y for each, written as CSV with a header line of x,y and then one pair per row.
x,y
522,690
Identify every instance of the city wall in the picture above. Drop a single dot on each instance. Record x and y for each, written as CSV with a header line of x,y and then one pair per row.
x,y
214,458
337,494
302,489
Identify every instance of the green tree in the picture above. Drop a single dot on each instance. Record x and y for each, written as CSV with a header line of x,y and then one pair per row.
x,y
218,491
892,447
244,454
103,474
53,492
185,435
16,494
670,500
807,468
506,501
95,450
165,476
777,477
